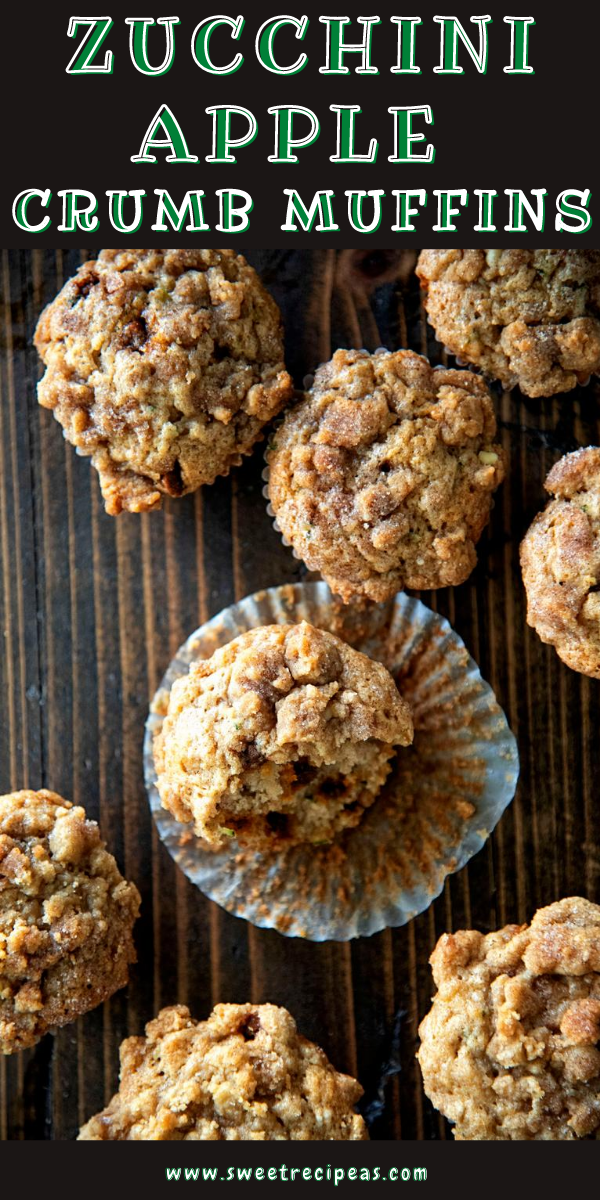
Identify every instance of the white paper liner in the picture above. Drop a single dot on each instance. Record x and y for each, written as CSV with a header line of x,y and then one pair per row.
x,y
445,795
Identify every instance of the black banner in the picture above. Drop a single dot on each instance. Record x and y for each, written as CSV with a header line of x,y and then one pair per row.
x,y
304,128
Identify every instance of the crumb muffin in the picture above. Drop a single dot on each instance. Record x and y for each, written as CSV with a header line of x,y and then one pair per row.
x,y
526,317
382,477
246,1074
283,735
66,917
510,1050
163,366
560,561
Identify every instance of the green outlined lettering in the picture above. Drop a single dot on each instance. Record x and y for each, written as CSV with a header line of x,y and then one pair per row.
x,y
173,139
337,47
519,45
518,202
21,205
451,30
223,142
355,210
265,44
191,208
285,142
138,43
201,44
576,212
82,62
320,209
230,212
116,200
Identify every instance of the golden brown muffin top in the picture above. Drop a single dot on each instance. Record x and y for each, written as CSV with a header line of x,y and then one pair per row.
x,y
381,478
163,365
66,917
526,317
245,1074
510,1049
249,731
560,561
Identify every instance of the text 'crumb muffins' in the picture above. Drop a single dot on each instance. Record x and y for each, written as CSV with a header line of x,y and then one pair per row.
x,y
66,917
245,1074
526,317
163,366
510,1050
560,561
382,477
284,734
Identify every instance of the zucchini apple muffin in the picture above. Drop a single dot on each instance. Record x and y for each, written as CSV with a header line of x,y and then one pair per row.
x,y
245,1074
66,917
283,735
560,561
510,1050
526,317
163,366
382,477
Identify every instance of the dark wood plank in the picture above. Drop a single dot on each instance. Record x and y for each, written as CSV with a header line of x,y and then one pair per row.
x,y
91,612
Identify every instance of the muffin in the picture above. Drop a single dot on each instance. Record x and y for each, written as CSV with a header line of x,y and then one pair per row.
x,y
510,1050
382,477
283,735
526,317
66,917
162,366
560,561
436,809
245,1074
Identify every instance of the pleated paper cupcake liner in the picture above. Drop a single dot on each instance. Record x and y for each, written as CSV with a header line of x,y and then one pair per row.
x,y
443,798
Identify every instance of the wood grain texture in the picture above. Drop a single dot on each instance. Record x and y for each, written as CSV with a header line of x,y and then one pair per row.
x,y
91,611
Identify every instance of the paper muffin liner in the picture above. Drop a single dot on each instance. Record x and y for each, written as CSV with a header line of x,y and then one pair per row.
x,y
442,800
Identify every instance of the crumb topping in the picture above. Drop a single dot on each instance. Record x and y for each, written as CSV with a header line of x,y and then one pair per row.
x,y
382,477
510,1049
526,317
163,366
66,917
560,561
285,733
245,1074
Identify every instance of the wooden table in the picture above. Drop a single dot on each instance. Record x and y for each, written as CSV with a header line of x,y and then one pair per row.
x,y
91,611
